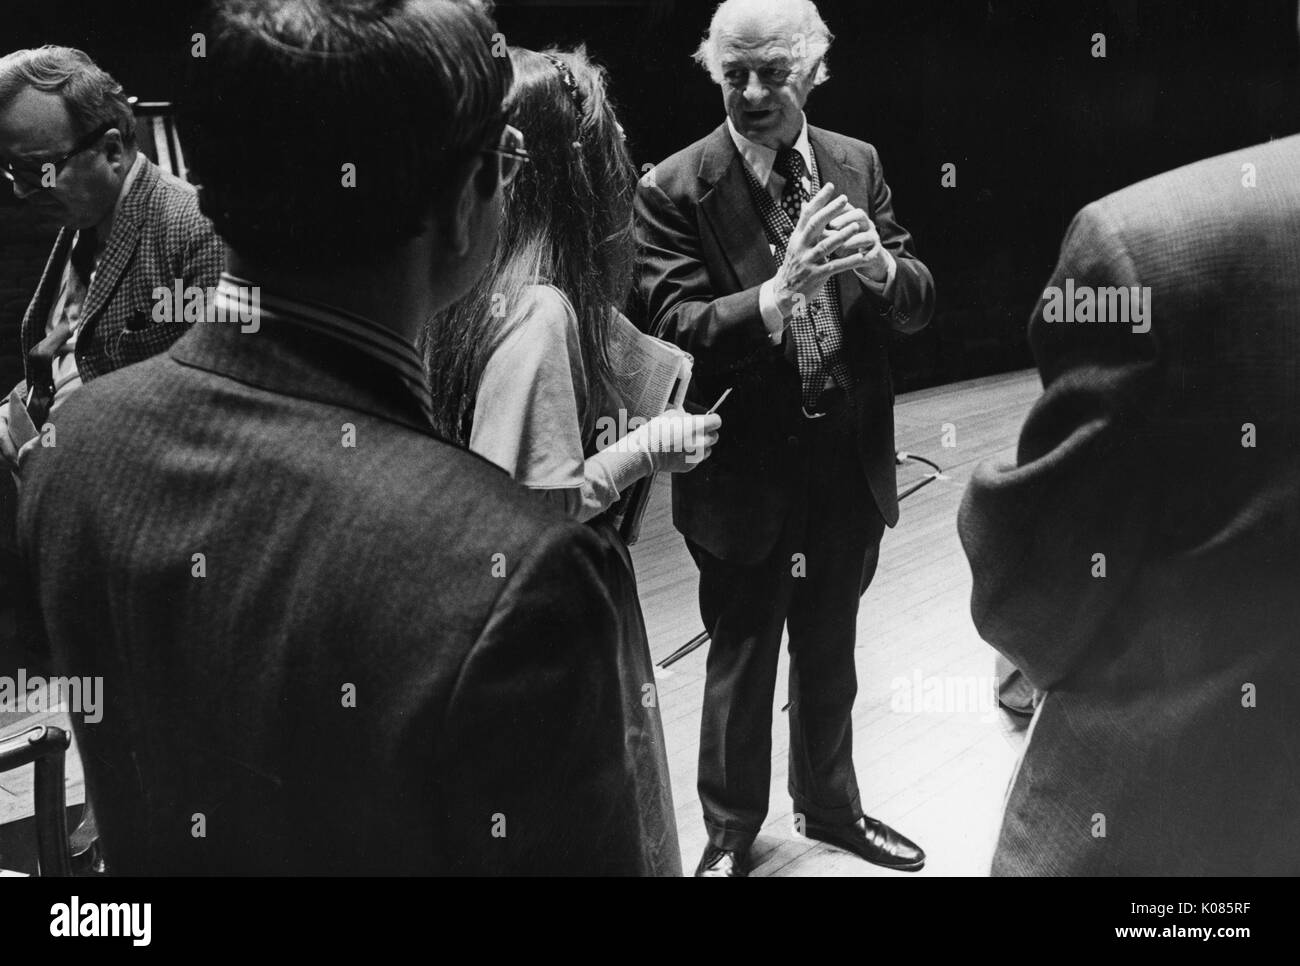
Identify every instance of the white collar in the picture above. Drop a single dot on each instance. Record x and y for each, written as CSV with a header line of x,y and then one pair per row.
x,y
761,159
129,180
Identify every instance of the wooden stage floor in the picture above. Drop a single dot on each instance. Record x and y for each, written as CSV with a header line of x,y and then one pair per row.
x,y
937,774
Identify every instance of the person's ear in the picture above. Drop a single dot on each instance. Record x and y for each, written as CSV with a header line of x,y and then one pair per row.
x,y
114,148
471,189
811,77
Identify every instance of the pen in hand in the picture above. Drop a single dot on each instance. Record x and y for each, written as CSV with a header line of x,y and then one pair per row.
x,y
721,400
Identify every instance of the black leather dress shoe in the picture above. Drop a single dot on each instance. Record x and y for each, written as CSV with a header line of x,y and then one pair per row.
x,y
717,863
873,840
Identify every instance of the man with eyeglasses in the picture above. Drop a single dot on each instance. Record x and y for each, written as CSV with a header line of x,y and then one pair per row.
x,y
351,646
68,148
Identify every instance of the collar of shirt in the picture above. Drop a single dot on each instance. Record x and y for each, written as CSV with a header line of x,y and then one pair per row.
x,y
760,159
237,295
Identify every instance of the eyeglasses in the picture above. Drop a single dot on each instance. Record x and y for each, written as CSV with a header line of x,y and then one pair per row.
x,y
510,149
32,174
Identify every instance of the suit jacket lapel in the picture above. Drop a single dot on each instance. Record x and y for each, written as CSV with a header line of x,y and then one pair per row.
x,y
731,213
834,166
122,244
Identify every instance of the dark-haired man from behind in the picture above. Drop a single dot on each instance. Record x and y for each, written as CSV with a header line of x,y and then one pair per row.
x,y
337,642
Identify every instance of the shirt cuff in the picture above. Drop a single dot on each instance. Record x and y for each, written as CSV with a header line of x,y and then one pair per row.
x,y
884,289
773,320
617,469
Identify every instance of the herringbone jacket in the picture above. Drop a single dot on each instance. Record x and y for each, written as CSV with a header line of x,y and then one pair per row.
x,y
1140,557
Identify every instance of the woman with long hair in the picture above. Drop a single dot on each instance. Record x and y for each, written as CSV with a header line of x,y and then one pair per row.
x,y
521,367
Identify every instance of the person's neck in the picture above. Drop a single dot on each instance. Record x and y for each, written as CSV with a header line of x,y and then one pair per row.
x,y
786,140
775,142
389,294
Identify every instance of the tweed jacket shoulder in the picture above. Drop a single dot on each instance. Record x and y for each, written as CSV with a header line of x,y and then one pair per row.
x,y
159,237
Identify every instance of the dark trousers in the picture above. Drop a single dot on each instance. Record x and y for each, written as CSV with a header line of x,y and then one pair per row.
x,y
811,581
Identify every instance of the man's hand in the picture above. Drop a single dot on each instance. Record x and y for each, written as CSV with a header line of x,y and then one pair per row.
x,y
811,256
866,241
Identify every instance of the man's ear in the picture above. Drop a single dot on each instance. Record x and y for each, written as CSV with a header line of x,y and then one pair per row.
x,y
114,149
471,188
812,74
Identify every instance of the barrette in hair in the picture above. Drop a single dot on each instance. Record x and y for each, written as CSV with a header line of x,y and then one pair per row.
x,y
568,80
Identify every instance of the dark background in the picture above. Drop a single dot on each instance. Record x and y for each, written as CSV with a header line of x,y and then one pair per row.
x,y
1005,89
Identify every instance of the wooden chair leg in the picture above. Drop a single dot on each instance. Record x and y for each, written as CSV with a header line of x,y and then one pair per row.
x,y
45,747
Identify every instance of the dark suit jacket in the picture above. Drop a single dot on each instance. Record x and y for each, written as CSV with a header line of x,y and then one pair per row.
x,y
474,627
703,257
1171,718
159,236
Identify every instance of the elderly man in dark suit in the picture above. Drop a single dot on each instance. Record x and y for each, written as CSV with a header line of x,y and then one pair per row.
x,y
769,249
330,641
68,146
1139,559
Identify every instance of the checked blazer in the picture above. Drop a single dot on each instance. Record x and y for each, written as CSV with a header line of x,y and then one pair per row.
x,y
159,236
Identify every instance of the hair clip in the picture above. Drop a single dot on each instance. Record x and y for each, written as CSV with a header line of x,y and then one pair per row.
x,y
568,80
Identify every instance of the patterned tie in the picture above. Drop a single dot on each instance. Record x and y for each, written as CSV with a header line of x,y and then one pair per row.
x,y
818,337
789,165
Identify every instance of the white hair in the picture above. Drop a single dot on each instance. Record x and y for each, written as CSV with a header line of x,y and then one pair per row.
x,y
813,40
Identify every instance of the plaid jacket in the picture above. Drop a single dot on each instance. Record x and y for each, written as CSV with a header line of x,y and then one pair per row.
x,y
158,236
